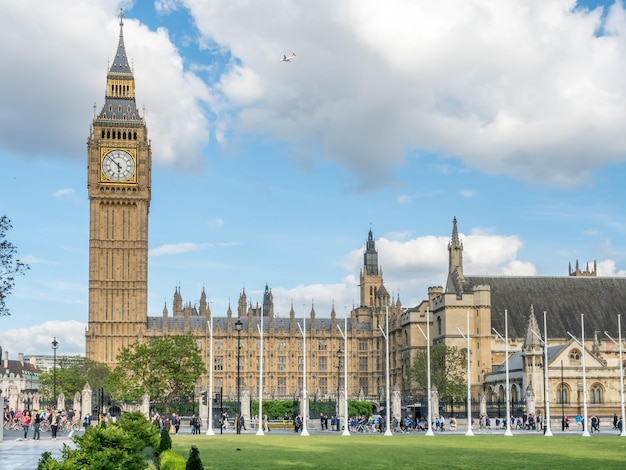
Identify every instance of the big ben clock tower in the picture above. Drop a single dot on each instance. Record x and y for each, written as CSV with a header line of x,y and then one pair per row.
x,y
118,183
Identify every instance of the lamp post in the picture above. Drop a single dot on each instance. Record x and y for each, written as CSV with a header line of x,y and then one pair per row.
x,y
546,394
209,428
581,343
346,431
305,399
55,345
259,328
339,355
429,432
387,405
238,327
507,431
621,371
469,383
562,399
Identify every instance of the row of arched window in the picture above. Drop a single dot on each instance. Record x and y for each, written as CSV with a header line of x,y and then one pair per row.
x,y
119,134
563,394
120,90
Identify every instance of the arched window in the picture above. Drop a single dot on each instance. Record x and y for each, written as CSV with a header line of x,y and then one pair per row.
x,y
514,393
562,394
596,394
439,326
574,356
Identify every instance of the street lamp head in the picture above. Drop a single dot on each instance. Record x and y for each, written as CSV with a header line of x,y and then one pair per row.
x,y
55,343
238,325
339,352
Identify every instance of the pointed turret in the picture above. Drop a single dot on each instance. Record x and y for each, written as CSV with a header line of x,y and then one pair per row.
x,y
455,263
119,104
370,257
268,302
371,276
531,340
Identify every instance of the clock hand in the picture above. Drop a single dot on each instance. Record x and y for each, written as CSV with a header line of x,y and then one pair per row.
x,y
119,167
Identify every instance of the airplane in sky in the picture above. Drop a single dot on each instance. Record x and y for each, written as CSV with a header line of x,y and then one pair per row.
x,y
288,59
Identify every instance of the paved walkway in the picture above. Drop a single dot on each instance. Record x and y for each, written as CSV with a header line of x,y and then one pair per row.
x,y
18,454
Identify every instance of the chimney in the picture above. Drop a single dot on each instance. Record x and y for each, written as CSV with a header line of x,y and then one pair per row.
x,y
33,360
6,359
20,357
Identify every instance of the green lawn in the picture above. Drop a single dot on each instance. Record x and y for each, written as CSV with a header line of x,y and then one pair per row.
x,y
416,451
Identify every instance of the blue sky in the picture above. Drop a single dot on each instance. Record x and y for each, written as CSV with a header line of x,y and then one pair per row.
x,y
395,115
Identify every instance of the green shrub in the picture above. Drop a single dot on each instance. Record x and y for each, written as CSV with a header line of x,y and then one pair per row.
x,y
166,440
194,462
127,444
170,460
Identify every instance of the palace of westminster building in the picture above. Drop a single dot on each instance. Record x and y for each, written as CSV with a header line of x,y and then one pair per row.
x,y
119,190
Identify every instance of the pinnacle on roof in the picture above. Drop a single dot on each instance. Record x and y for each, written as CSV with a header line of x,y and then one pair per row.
x,y
120,62
455,241
530,340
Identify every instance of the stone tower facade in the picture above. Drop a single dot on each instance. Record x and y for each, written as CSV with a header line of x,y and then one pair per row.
x,y
118,181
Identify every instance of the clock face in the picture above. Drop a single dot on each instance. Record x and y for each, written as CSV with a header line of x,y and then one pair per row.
x,y
118,165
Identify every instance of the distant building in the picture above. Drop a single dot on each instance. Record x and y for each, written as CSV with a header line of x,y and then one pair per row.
x,y
19,382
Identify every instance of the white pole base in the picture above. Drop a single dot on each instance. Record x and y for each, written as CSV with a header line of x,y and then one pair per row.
x,y
586,433
430,432
345,432
388,432
260,432
548,433
210,432
304,432
469,432
623,434
508,432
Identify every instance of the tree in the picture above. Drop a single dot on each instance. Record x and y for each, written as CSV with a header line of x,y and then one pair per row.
x,y
71,378
164,368
9,267
447,371
194,462
166,441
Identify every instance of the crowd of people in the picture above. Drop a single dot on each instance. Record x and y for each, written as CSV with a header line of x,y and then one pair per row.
x,y
39,420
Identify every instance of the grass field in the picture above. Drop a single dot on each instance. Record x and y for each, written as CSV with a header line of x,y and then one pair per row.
x,y
405,451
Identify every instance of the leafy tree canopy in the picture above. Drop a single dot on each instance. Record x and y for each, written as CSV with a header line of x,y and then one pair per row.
x,y
9,267
447,371
72,377
164,368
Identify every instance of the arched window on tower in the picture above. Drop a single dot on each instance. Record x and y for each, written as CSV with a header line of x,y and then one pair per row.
x,y
514,393
439,326
574,356
596,394
562,394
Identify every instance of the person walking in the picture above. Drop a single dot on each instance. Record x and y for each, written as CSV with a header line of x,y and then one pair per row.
x,y
36,425
26,423
55,419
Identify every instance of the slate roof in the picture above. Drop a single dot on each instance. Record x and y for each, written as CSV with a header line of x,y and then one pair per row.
x,y
516,360
600,299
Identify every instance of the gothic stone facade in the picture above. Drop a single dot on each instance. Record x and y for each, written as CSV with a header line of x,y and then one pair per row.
x,y
119,188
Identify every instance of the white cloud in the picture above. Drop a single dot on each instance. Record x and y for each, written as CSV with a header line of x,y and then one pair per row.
x,y
64,36
442,75
216,223
551,112
37,339
64,192
606,268
185,247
